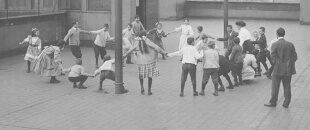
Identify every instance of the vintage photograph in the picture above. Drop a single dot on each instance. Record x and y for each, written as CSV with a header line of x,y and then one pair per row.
x,y
154,65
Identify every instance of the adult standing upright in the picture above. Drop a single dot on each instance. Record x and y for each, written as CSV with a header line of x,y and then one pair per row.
x,y
74,39
231,34
284,56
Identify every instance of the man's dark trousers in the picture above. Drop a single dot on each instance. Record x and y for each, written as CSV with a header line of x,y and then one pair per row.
x,y
276,81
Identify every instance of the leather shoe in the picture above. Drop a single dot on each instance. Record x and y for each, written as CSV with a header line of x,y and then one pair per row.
x,y
270,105
285,106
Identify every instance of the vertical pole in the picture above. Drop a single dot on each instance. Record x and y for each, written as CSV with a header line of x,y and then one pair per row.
x,y
7,8
38,7
225,21
119,88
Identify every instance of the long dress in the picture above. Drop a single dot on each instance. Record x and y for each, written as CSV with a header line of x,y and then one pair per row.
x,y
186,31
248,71
49,62
34,48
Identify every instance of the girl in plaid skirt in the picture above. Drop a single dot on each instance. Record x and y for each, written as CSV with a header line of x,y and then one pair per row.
x,y
147,57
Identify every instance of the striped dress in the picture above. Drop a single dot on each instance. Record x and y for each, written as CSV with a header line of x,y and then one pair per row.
x,y
49,62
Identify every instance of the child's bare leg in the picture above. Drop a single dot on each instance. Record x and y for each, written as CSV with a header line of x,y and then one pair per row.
x,y
102,78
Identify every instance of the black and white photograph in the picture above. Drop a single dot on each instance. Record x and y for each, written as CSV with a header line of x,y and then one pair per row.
x,y
154,64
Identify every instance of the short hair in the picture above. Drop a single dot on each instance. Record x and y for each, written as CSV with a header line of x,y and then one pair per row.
x,y
59,43
106,25
190,40
200,28
211,44
229,26
281,32
142,33
186,19
137,16
73,23
204,36
107,57
158,23
241,23
78,61
236,40
130,25
262,28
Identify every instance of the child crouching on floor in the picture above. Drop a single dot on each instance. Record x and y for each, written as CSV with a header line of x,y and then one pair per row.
x,y
77,74
106,70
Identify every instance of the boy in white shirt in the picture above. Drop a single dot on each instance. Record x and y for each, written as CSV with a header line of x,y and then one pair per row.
x,y
77,74
106,70
103,36
190,56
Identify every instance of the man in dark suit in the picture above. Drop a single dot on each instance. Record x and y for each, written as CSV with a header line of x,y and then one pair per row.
x,y
231,34
284,56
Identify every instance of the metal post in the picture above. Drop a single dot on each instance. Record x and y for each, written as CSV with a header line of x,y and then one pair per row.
x,y
119,88
225,21
38,7
7,8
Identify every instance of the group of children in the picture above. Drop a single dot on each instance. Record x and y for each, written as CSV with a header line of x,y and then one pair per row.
x,y
142,47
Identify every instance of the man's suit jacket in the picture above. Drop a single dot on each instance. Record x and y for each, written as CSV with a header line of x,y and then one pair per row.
x,y
284,56
262,42
229,39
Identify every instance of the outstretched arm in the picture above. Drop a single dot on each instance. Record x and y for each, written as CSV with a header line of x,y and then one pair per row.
x,y
130,50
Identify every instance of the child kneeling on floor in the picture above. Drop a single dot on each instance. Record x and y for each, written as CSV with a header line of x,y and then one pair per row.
x,y
77,74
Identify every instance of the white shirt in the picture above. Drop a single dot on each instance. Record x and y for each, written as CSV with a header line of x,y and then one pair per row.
x,y
186,30
244,35
34,41
128,33
108,65
76,71
211,58
270,43
102,37
189,53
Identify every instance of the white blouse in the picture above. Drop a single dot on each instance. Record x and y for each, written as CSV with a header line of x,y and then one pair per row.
x,y
244,35
186,30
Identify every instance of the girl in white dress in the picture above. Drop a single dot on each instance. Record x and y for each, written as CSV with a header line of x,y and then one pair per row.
x,y
34,47
186,31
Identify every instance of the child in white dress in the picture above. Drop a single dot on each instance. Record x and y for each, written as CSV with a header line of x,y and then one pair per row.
x,y
186,31
34,47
